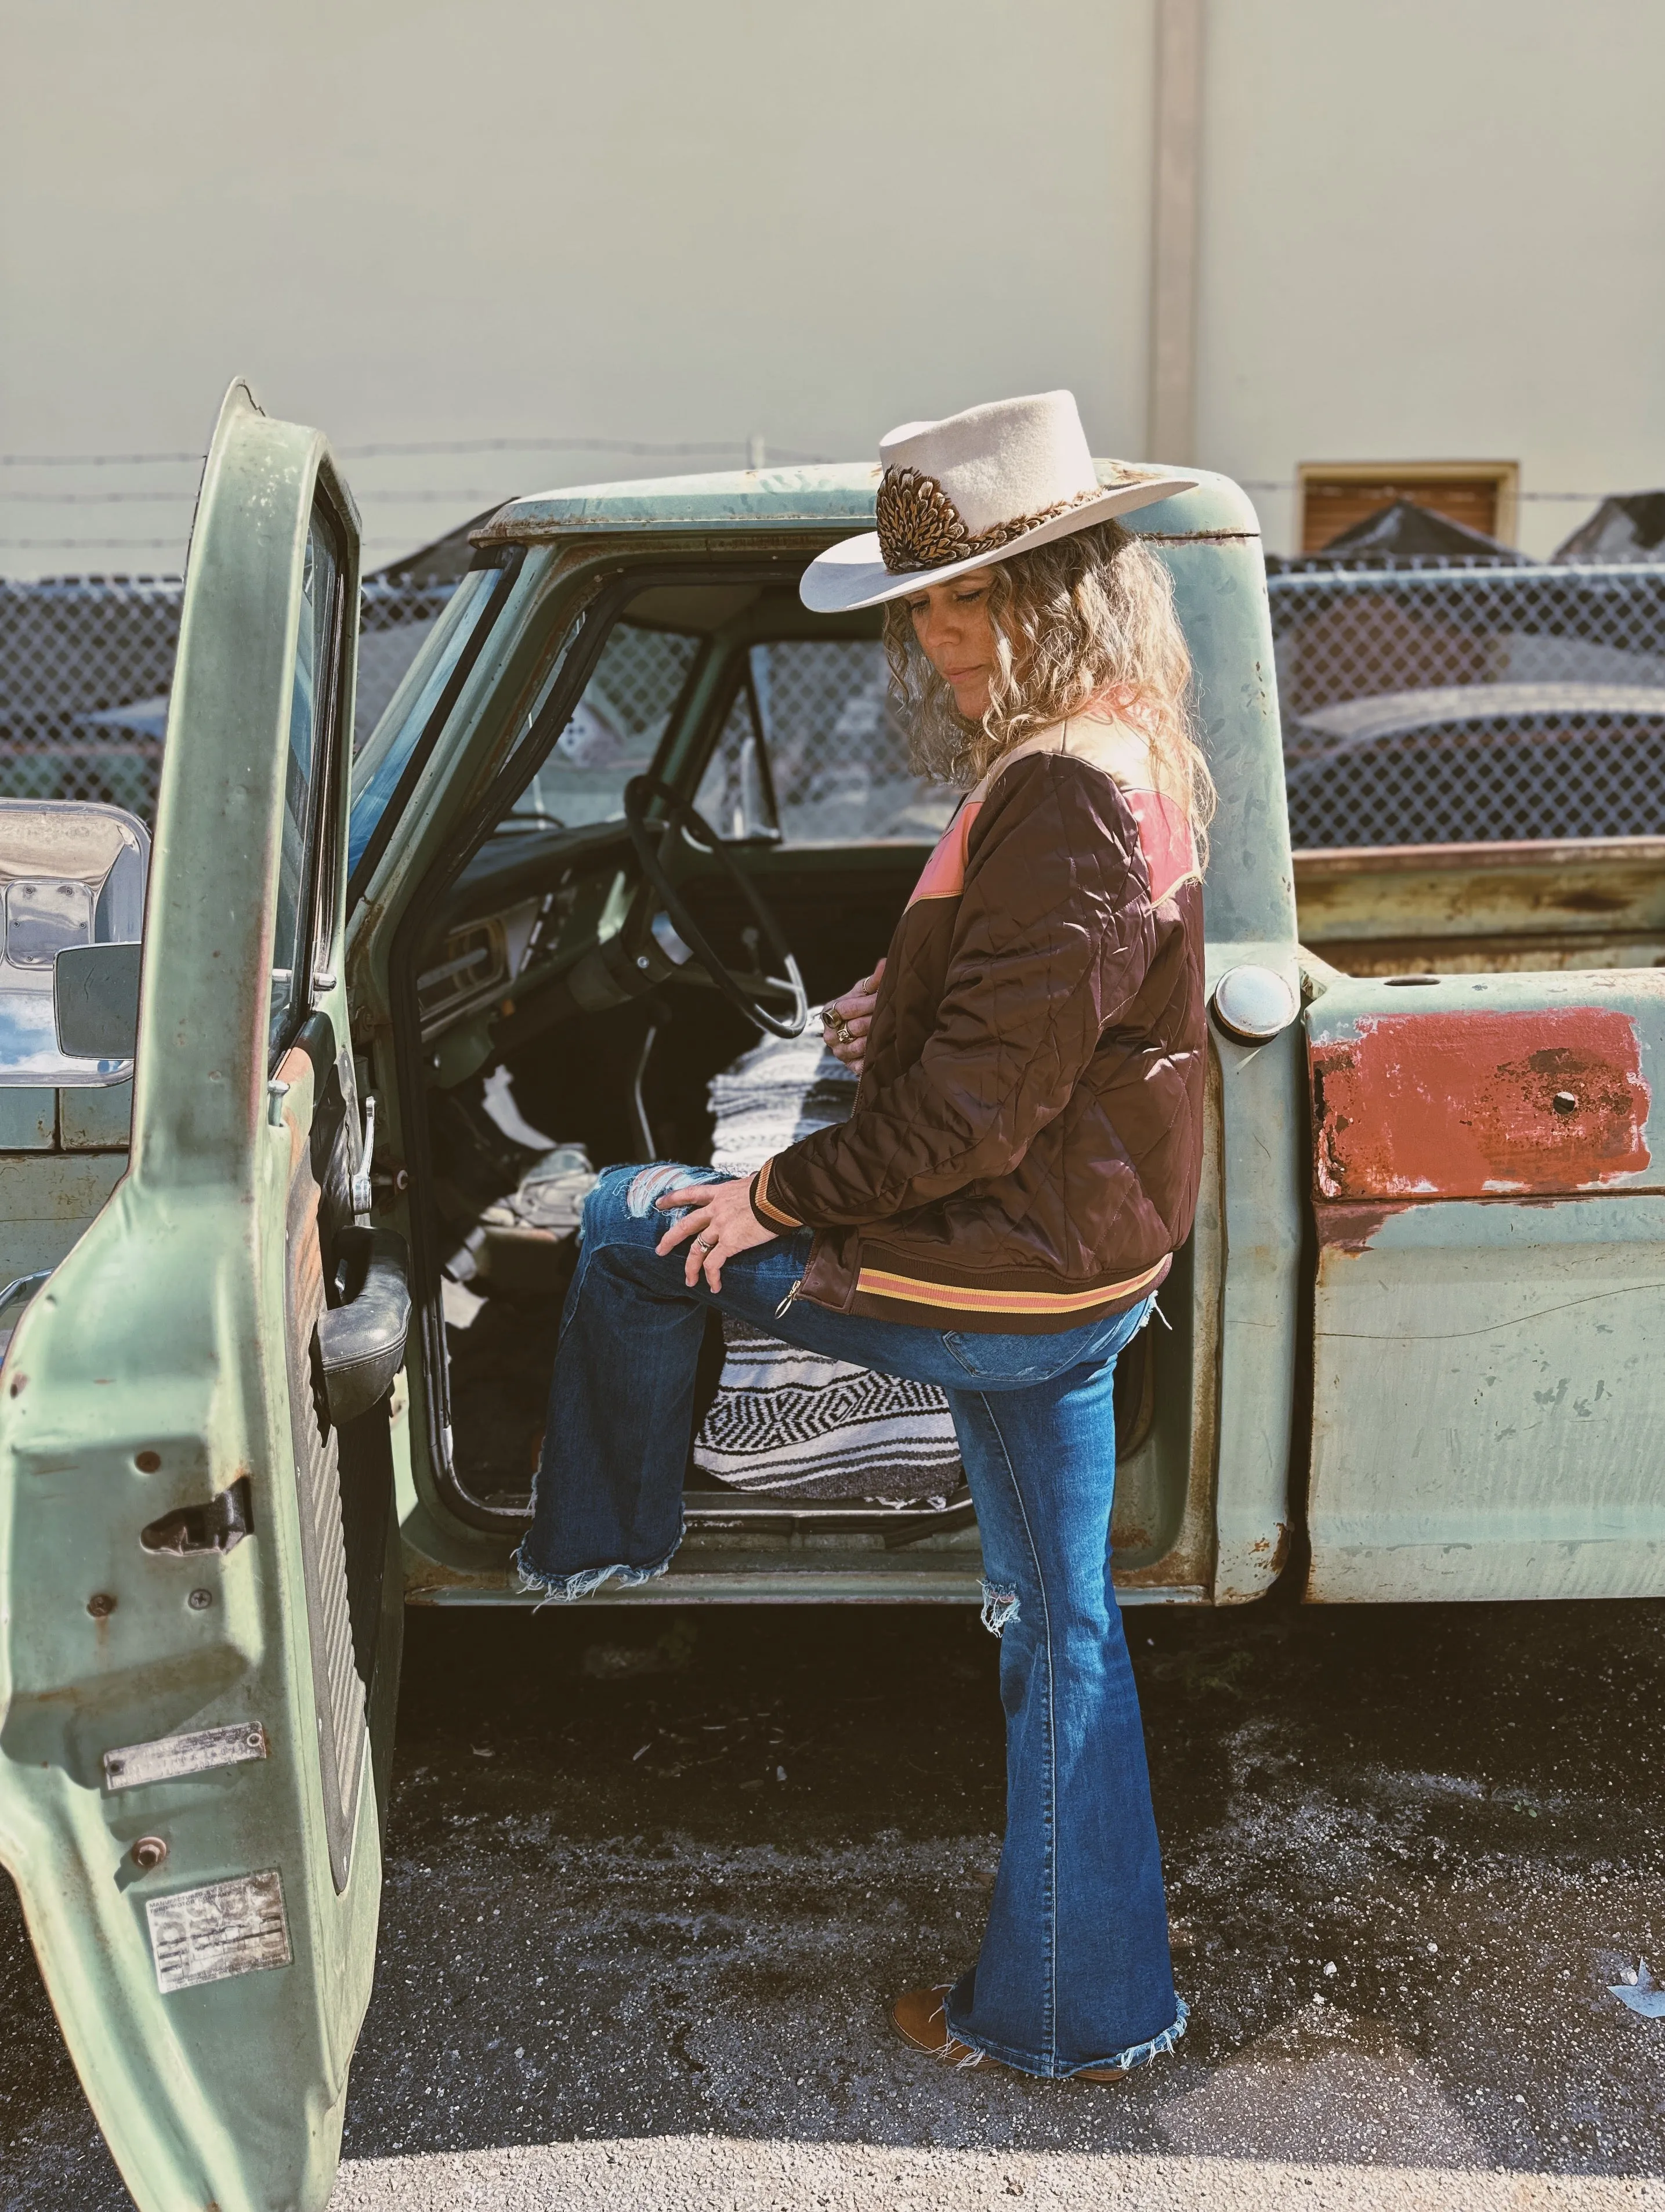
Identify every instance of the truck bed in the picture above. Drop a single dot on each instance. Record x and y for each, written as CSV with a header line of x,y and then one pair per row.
x,y
1463,909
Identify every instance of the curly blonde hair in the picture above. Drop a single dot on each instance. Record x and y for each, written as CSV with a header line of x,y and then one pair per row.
x,y
1084,624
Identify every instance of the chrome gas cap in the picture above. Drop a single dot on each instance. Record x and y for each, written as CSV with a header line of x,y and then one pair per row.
x,y
1253,1005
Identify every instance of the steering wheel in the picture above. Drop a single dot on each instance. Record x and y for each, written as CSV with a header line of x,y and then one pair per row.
x,y
746,991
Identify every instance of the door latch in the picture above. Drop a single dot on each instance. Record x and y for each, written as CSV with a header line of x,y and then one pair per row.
x,y
218,1526
360,1189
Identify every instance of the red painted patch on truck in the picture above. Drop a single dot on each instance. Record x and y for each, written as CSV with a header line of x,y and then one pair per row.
x,y
1352,1229
1472,1104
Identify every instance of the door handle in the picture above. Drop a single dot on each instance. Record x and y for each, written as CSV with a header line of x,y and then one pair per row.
x,y
359,1344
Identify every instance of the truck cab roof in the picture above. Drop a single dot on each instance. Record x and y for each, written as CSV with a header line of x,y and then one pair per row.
x,y
831,495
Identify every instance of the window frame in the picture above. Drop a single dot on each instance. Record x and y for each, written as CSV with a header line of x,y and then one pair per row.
x,y
743,685
316,895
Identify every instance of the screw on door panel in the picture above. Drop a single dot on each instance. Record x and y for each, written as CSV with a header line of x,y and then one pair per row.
x,y
148,1853
100,1605
200,1600
147,1462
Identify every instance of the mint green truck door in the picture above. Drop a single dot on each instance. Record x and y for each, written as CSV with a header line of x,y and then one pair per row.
x,y
198,1643
1489,1194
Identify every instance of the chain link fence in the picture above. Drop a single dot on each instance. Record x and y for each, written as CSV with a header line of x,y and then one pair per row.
x,y
87,663
1428,705
1436,706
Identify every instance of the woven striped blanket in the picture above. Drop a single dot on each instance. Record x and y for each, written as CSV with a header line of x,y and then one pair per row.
x,y
789,1421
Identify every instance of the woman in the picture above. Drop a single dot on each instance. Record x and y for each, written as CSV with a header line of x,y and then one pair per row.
x,y
998,1211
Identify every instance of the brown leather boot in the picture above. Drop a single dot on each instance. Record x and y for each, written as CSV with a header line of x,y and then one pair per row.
x,y
919,2018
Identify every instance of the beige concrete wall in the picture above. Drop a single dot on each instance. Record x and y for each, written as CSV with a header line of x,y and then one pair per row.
x,y
1435,229
650,219
1430,229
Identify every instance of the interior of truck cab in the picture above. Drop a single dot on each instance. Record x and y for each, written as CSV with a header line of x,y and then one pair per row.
x,y
720,838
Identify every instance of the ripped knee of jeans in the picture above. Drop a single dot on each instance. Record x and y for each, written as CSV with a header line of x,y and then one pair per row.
x,y
653,1183
999,1608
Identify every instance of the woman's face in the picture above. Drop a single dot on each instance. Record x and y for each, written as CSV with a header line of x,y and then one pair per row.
x,y
955,633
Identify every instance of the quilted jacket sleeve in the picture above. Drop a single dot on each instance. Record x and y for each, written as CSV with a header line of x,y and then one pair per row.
x,y
1052,939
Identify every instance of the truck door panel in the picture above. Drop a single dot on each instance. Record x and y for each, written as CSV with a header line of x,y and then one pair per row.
x,y
200,1642
1489,1287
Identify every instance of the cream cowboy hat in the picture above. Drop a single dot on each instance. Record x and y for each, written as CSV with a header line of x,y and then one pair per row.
x,y
976,487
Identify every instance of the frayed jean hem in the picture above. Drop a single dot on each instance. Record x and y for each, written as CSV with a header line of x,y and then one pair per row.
x,y
1024,2062
564,1589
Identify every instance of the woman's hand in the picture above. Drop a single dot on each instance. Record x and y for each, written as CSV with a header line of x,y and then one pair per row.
x,y
720,1221
845,1022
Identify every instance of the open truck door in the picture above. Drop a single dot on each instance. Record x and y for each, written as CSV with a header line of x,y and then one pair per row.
x,y
199,1593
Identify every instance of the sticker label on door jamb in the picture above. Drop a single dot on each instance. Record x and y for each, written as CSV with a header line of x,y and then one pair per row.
x,y
223,1928
171,1756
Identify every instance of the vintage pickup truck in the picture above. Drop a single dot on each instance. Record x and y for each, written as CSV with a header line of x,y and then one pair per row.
x,y
1410,1351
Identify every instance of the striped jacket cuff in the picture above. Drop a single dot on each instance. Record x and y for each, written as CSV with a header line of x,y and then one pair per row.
x,y
773,1217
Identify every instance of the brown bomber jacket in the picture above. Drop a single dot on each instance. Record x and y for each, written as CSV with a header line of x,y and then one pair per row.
x,y
1026,1142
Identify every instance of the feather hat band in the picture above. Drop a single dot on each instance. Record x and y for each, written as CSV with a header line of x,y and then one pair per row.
x,y
973,488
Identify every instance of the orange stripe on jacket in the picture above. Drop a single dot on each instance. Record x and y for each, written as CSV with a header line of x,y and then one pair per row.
x,y
943,874
879,1283
1164,839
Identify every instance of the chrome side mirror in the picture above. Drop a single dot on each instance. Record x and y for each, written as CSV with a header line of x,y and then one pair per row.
x,y
72,882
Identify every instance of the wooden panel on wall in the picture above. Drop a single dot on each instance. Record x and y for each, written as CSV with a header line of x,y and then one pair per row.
x,y
1480,497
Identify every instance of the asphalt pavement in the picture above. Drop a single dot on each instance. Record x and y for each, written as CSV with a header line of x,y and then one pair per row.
x,y
652,1875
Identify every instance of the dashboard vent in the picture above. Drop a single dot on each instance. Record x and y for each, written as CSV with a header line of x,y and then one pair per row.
x,y
472,961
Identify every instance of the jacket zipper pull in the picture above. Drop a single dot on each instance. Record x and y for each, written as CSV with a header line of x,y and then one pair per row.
x,y
788,1298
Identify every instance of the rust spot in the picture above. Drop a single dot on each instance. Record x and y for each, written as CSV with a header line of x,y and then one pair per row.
x,y
1278,1548
1588,901
17,1382
1464,1105
1349,1229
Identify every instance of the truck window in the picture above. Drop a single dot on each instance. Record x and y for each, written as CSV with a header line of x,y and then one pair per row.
x,y
811,752
615,728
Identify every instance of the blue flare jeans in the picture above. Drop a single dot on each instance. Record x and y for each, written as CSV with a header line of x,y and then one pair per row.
x,y
1075,1970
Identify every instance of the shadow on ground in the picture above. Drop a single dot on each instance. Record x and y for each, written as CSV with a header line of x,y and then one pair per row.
x,y
654,1873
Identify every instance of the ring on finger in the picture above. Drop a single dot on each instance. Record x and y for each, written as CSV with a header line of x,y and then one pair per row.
x,y
705,1243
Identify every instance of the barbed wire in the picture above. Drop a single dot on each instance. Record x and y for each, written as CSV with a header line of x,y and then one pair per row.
x,y
398,496
1290,483
407,447
93,460
471,497
176,544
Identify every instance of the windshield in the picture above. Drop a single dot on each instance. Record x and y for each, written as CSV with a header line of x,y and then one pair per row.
x,y
377,770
